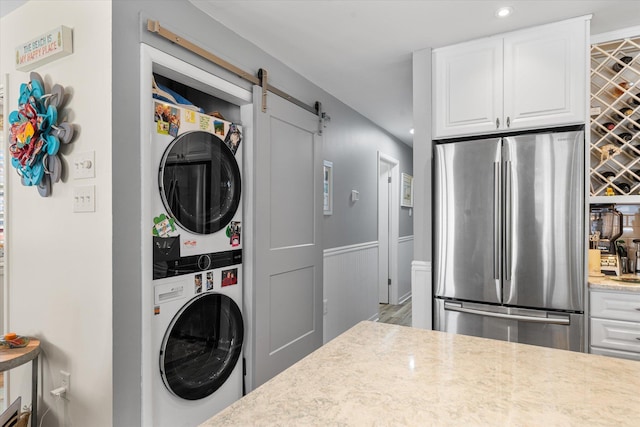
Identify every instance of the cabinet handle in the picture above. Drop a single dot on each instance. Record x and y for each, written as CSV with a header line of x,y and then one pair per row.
x,y
638,309
508,121
497,123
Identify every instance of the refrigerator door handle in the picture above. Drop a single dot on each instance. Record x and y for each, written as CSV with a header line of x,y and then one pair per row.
x,y
508,219
496,220
557,319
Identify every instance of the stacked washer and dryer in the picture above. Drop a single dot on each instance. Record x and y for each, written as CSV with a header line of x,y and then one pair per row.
x,y
196,227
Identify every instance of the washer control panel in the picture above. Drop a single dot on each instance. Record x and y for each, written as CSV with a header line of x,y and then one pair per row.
x,y
195,263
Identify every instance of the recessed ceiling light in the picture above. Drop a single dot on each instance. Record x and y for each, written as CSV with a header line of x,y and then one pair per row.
x,y
411,131
503,12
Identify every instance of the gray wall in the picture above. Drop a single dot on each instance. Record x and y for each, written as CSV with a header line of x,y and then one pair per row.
x,y
351,142
423,153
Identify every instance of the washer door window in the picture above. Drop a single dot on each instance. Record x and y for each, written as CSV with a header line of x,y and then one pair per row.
x,y
201,346
200,182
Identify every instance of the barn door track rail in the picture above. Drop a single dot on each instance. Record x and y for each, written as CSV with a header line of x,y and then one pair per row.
x,y
261,79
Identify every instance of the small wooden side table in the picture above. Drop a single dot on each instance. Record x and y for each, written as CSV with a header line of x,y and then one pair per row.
x,y
14,357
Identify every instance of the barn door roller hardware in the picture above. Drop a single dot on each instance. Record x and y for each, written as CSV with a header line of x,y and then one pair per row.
x,y
261,80
323,117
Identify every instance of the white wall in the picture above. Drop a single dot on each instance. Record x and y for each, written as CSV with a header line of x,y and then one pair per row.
x,y
59,262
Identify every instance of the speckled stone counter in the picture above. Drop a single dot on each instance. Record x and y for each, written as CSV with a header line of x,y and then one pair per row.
x,y
609,284
377,374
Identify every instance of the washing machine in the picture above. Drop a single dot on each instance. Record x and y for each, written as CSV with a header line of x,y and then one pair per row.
x,y
196,229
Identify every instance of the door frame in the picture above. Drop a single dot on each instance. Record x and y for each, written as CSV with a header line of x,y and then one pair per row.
x,y
393,233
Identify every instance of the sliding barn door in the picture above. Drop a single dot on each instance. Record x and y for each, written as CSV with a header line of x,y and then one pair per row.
x,y
288,247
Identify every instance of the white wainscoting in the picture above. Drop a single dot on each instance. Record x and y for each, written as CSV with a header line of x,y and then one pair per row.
x,y
405,256
421,303
350,284
350,287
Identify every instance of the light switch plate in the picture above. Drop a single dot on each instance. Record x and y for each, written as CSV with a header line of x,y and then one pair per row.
x,y
84,165
84,198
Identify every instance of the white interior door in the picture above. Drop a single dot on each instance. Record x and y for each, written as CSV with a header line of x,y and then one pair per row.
x,y
288,248
388,228
384,186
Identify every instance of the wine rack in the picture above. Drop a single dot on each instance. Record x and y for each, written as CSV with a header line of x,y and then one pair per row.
x,y
615,118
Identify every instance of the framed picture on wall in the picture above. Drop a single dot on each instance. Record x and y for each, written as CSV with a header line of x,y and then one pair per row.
x,y
407,191
327,185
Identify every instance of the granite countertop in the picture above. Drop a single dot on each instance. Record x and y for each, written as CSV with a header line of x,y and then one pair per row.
x,y
381,374
609,283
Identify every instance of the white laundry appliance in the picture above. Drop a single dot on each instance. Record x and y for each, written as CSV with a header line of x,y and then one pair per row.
x,y
197,324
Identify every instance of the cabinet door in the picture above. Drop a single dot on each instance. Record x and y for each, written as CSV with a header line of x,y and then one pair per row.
x,y
467,88
545,71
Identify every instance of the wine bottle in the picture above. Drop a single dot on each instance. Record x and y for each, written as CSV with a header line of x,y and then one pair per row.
x,y
609,126
622,186
626,136
621,88
626,111
617,67
635,101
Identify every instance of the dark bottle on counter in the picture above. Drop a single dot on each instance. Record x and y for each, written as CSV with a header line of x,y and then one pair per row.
x,y
617,67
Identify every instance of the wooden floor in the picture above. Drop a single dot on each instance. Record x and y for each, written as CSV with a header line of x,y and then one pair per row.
x,y
396,314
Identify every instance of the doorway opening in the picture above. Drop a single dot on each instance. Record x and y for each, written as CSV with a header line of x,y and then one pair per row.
x,y
388,224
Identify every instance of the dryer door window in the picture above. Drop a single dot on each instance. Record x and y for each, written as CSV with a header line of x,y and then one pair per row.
x,y
200,182
201,346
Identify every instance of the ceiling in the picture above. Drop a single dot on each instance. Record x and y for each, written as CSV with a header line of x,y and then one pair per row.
x,y
360,51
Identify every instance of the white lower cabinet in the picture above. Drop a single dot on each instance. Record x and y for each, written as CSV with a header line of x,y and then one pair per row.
x,y
615,324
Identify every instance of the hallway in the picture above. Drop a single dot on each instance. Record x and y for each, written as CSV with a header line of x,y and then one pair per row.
x,y
395,314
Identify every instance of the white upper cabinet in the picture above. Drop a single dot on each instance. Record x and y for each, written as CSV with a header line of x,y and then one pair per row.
x,y
468,88
527,79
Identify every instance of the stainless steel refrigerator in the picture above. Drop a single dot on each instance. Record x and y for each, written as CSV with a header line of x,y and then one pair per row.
x,y
509,238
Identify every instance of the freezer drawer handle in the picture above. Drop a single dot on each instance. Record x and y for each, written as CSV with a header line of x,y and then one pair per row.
x,y
497,123
550,320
